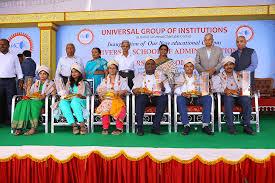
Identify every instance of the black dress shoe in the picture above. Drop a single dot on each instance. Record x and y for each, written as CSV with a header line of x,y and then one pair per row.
x,y
185,130
248,129
232,130
140,132
207,130
156,131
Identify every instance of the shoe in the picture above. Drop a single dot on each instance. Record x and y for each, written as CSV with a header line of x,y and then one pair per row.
x,y
156,131
248,129
75,130
232,130
185,130
140,131
207,130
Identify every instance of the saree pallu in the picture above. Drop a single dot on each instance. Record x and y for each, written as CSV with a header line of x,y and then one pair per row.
x,y
169,68
93,66
26,114
115,108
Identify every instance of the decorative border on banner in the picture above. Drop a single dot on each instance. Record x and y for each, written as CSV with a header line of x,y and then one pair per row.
x,y
32,18
142,13
146,154
164,13
272,9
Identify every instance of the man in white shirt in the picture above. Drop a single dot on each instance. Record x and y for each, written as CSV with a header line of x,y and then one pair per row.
x,y
208,58
9,70
229,84
63,70
150,87
188,91
127,63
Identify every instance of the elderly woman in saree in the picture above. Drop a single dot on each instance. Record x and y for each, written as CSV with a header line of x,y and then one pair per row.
x,y
111,91
27,111
96,68
167,65
76,91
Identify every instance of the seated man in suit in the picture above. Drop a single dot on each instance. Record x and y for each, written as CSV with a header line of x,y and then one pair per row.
x,y
208,58
188,84
149,87
228,83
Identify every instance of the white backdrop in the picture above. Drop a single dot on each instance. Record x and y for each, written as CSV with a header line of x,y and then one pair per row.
x,y
41,6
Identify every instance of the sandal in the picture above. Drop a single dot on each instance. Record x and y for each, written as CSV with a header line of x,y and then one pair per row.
x,y
18,132
83,130
105,131
117,132
31,132
75,130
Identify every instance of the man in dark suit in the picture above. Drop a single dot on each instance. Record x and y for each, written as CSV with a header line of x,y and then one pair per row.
x,y
28,65
208,58
246,58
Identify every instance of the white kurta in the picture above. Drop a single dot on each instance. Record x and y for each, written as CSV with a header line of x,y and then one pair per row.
x,y
120,84
186,84
221,81
149,81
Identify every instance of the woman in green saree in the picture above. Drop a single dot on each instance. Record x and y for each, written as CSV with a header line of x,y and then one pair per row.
x,y
167,66
27,111
97,68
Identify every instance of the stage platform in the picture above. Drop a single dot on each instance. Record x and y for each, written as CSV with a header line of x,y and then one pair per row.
x,y
63,137
149,158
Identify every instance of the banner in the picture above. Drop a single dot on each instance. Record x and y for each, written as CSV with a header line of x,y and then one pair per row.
x,y
23,39
182,38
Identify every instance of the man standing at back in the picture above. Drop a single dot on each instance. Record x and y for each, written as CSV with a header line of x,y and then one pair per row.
x,y
127,63
246,58
28,65
63,70
208,58
10,68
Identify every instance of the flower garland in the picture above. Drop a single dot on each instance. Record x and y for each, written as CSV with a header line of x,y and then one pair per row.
x,y
195,78
112,84
236,92
144,80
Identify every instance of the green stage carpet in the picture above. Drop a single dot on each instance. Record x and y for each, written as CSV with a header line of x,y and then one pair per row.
x,y
63,137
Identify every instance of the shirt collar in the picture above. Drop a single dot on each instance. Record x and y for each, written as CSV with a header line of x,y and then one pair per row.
x,y
129,55
186,76
240,50
71,57
3,53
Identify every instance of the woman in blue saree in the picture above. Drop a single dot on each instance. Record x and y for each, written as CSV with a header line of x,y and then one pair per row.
x,y
97,68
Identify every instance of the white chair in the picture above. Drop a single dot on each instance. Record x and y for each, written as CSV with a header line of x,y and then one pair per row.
x,y
237,113
149,115
62,121
92,84
97,120
43,119
194,114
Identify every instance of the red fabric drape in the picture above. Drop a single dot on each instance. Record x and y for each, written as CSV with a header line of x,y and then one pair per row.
x,y
119,170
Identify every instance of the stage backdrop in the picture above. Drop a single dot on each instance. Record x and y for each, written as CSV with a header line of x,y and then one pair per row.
x,y
23,39
183,39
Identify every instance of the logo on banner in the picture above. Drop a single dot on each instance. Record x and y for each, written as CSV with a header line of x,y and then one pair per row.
x,y
20,42
245,31
85,36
